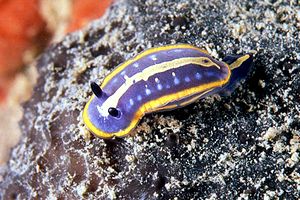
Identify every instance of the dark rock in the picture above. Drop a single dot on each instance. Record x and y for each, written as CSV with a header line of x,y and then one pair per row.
x,y
245,145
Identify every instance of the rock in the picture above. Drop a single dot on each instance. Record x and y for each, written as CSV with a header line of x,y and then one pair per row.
x,y
210,149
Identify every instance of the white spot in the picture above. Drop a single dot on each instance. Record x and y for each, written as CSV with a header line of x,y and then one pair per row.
x,y
173,74
209,73
157,80
123,72
198,76
178,50
115,80
176,81
139,97
131,102
136,65
148,92
159,86
146,86
168,86
187,79
153,57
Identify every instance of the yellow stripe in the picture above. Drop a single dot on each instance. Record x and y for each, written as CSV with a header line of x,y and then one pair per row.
x,y
195,98
189,101
145,53
168,107
239,61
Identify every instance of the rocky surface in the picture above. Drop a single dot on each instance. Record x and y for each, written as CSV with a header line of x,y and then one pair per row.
x,y
242,146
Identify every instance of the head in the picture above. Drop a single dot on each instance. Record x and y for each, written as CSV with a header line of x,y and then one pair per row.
x,y
105,120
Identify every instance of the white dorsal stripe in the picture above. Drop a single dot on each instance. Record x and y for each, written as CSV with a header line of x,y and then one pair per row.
x,y
112,101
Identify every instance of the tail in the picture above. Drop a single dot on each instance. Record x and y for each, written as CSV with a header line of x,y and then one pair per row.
x,y
240,67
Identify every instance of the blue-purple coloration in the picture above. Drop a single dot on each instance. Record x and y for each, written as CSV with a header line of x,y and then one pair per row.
x,y
149,60
159,79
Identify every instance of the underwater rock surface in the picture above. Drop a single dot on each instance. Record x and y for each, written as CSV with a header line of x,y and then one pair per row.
x,y
243,145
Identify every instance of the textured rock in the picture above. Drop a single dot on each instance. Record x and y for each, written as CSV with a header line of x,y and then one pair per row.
x,y
245,145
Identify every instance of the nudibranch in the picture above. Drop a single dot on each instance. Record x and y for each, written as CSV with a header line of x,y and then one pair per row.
x,y
159,79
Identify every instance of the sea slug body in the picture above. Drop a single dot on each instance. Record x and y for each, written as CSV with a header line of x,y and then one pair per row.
x,y
159,79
